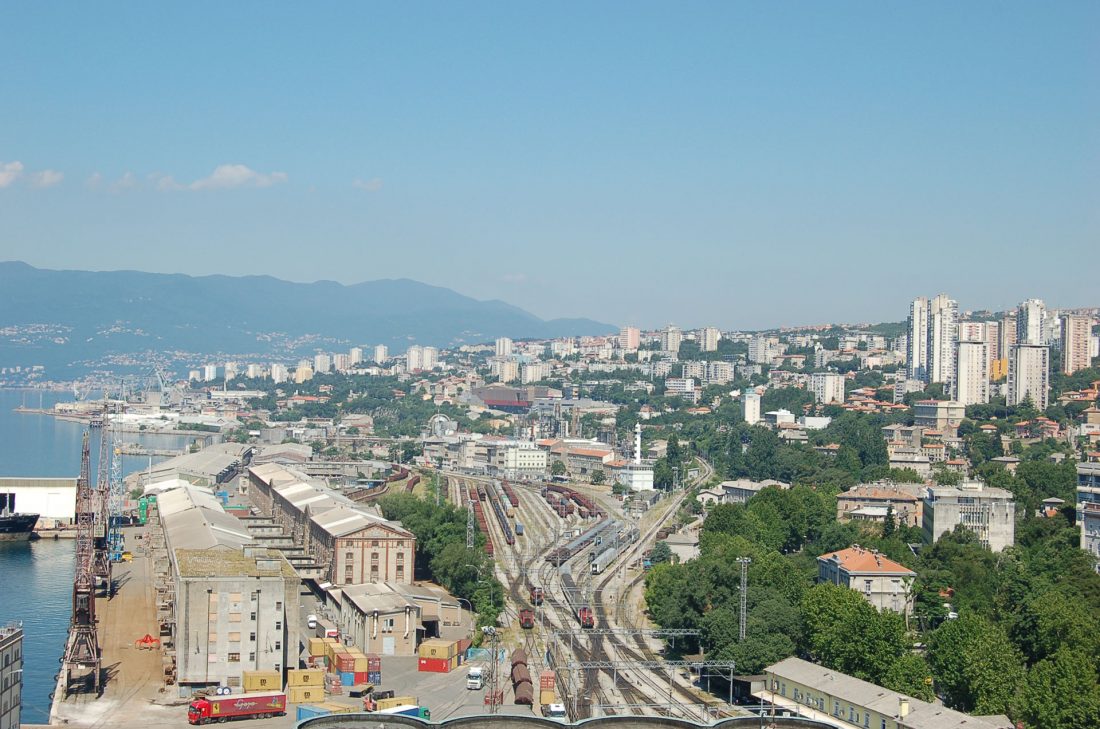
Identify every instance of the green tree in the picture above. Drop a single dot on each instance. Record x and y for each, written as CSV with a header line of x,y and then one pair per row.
x,y
598,477
557,469
910,675
845,632
976,668
1061,692
660,553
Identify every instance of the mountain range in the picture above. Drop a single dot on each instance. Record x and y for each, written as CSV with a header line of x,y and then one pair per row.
x,y
103,312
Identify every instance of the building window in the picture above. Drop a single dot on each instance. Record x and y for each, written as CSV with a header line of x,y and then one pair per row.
x,y
234,637
400,571
278,605
278,625
374,543
374,557
252,637
278,645
252,616
387,625
234,658
400,557
252,657
347,574
349,556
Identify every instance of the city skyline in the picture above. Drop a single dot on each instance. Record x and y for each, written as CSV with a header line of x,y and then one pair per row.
x,y
733,166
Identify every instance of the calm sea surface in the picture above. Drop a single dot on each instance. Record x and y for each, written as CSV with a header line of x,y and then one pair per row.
x,y
36,578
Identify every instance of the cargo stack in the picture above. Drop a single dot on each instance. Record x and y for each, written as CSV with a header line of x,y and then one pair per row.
x,y
333,685
374,668
304,694
438,656
314,677
262,681
547,694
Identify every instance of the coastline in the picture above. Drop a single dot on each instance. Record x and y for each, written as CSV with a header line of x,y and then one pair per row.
x,y
124,428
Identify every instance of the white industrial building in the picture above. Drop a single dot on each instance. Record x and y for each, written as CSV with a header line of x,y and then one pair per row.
x,y
53,499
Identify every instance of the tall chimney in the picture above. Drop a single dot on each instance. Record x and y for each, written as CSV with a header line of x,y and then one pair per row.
x,y
903,707
638,443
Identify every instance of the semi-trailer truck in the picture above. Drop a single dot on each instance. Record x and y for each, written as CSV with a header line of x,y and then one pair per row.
x,y
236,706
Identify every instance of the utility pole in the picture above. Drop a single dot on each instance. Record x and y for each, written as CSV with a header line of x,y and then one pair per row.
x,y
494,668
744,562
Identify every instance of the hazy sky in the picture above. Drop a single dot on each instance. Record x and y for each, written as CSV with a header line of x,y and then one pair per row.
x,y
735,163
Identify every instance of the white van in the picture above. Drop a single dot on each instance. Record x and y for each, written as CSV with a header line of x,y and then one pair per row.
x,y
474,679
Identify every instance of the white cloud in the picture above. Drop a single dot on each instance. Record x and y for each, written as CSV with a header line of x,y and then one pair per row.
x,y
229,176
10,172
46,178
125,182
374,184
94,181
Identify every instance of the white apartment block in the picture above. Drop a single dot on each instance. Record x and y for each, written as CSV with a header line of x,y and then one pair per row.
x,y
341,362
503,347
506,370
414,358
751,403
322,363
1076,344
1030,321
828,387
279,373
532,372
972,331
972,373
680,386
429,358
671,338
943,338
764,350
255,370
916,355
1029,374
381,353
698,370
719,373
1088,507
356,355
993,339
708,339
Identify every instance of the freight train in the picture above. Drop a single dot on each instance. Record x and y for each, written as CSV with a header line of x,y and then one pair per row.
x,y
575,598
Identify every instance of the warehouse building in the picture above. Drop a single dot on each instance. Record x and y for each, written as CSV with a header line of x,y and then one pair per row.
x,y
53,499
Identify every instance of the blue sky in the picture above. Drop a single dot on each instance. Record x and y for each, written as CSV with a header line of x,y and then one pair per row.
x,y
741,164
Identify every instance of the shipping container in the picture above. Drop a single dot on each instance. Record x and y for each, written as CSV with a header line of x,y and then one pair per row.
x,y
546,680
316,647
374,677
361,677
438,648
305,694
305,677
347,678
434,665
547,696
311,711
262,681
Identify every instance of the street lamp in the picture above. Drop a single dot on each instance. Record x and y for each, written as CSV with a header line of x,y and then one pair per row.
x,y
464,600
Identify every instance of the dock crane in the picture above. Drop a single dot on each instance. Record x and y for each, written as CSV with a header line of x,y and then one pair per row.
x,y
82,654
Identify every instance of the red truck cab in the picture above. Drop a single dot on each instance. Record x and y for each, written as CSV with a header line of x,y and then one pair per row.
x,y
236,706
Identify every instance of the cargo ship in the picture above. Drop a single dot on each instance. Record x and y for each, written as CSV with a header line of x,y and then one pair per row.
x,y
14,527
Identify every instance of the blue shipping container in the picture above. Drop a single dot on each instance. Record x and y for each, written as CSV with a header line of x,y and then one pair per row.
x,y
347,678
305,711
519,529
374,677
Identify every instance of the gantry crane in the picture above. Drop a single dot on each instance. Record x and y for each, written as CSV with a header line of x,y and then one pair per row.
x,y
82,650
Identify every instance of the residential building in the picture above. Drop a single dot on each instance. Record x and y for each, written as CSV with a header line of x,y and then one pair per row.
x,y
838,700
719,373
355,355
764,350
1088,506
579,456
304,373
429,358
873,502
708,339
381,354
322,363
506,370
750,402
739,491
1009,330
521,459
671,338
972,373
629,338
503,347
972,331
987,511
1076,347
414,358
681,386
881,581
279,373
1029,375
938,414
943,338
916,355
993,338
531,372
11,675
828,387
1030,321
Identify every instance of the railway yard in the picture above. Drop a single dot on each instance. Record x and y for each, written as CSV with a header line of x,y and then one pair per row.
x,y
572,566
